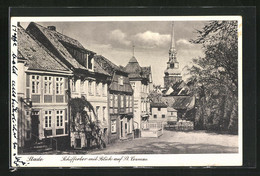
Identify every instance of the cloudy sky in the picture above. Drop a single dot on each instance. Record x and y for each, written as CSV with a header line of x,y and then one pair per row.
x,y
152,40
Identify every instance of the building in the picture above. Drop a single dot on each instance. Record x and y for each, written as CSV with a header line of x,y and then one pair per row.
x,y
120,101
159,112
42,93
89,79
172,72
176,95
141,82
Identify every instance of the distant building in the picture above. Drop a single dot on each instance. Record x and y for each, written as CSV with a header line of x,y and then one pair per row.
x,y
141,82
42,93
176,93
159,112
120,101
89,79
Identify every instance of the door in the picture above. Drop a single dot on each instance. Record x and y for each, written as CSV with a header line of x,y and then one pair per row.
x,y
122,128
35,125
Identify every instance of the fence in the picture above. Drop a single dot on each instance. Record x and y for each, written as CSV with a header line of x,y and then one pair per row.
x,y
181,125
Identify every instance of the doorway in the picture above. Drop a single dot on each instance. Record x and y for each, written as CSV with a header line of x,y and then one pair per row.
x,y
122,128
35,125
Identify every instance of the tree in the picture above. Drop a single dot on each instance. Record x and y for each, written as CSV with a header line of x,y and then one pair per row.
x,y
83,122
215,77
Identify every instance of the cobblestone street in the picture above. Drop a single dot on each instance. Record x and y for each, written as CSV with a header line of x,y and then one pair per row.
x,y
171,142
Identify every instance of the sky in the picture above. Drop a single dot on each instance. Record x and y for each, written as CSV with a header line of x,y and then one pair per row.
x,y
152,40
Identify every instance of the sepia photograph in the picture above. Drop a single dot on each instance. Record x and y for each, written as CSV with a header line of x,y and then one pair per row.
x,y
136,91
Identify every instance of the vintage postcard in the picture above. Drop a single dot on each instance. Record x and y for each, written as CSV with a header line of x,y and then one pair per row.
x,y
126,91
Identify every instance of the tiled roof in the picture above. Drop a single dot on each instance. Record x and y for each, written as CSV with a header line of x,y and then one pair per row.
x,y
179,102
158,104
58,40
54,38
37,56
106,64
178,88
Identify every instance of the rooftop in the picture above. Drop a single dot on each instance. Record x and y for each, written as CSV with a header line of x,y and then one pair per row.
x,y
36,55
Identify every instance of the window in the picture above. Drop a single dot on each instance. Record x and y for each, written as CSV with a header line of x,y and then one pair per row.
x,y
130,102
155,116
82,90
90,88
163,116
111,100
171,113
104,91
171,65
59,118
127,101
121,81
35,84
97,88
59,85
122,101
47,119
90,64
113,126
73,86
159,109
116,101
47,85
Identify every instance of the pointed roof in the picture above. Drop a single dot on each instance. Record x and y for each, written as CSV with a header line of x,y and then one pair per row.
x,y
133,60
36,55
133,68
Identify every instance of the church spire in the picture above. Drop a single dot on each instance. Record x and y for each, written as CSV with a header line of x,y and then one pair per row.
x,y
172,37
172,51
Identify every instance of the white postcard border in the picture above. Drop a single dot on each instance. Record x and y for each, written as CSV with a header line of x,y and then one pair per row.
x,y
117,160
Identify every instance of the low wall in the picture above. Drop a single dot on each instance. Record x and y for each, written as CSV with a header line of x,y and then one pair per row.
x,y
181,126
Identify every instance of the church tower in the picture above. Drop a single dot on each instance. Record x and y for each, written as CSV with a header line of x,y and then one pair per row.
x,y
172,72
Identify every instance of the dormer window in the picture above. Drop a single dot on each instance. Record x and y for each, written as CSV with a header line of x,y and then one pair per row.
x,y
90,62
121,81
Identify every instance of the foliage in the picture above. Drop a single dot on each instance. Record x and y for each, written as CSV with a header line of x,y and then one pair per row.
x,y
82,121
215,77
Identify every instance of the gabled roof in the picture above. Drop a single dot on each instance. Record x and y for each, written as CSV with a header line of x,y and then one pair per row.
x,y
107,65
179,102
178,88
36,55
59,41
183,102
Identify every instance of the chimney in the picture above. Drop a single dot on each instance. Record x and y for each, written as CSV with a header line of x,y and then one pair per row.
x,y
53,28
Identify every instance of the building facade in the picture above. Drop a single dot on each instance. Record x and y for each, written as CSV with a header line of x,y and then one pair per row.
x,y
120,101
42,93
141,82
89,80
159,113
